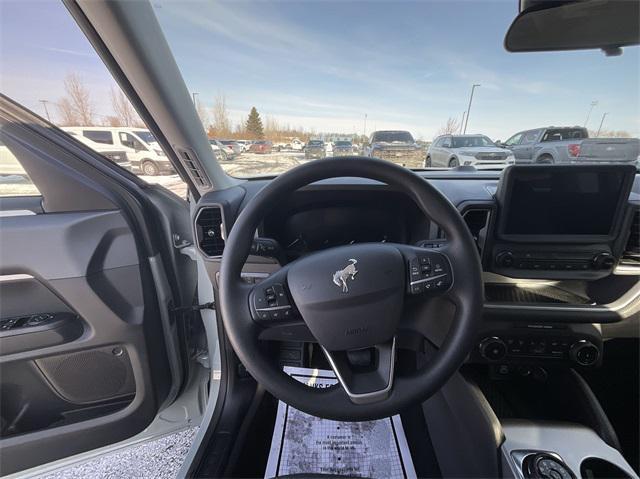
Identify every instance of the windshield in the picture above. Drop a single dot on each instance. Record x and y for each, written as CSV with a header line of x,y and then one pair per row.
x,y
281,79
331,73
470,141
391,136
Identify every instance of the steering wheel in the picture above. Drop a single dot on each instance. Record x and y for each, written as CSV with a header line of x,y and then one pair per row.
x,y
353,298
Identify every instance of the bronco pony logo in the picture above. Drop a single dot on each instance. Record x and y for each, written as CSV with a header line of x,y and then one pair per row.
x,y
341,276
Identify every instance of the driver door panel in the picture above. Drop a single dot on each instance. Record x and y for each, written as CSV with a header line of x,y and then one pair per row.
x,y
80,375
83,356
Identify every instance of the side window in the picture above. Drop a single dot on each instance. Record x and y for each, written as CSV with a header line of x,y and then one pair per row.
x,y
99,136
446,142
77,94
14,180
514,140
437,143
131,141
530,137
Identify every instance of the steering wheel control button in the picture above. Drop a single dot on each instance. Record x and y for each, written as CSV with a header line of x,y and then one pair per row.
x,y
428,272
271,303
414,269
281,296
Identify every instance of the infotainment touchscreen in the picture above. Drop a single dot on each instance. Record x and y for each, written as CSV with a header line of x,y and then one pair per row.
x,y
563,201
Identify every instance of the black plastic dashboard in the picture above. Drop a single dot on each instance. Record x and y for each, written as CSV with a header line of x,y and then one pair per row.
x,y
540,296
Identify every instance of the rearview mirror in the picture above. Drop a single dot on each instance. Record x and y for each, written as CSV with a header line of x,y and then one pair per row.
x,y
571,25
446,145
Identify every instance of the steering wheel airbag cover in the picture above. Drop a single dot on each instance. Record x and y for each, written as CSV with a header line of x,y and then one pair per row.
x,y
350,297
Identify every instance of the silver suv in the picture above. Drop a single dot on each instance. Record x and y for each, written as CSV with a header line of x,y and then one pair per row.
x,y
450,151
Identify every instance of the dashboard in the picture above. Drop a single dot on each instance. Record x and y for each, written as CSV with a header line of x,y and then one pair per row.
x,y
312,221
558,279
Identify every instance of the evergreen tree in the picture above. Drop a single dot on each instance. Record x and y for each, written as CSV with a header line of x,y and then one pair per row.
x,y
254,124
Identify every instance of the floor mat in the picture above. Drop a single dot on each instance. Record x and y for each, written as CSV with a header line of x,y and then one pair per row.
x,y
306,444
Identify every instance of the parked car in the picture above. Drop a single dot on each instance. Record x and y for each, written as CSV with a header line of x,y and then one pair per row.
x,y
119,157
560,145
219,150
244,144
261,146
231,147
315,149
342,148
141,147
296,145
450,151
394,145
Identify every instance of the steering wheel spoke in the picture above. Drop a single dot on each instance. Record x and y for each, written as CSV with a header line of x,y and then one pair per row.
x,y
366,375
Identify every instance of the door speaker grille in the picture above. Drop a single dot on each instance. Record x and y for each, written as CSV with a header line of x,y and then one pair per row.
x,y
90,376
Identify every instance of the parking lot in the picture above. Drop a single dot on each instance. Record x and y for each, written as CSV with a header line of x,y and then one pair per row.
x,y
247,165
244,165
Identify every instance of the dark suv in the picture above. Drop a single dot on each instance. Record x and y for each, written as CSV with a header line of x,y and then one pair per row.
x,y
397,146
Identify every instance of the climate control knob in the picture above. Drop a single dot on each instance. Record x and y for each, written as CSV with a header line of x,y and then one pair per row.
x,y
584,352
493,348
505,259
603,261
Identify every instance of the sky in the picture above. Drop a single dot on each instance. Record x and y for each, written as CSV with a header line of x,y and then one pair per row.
x,y
325,65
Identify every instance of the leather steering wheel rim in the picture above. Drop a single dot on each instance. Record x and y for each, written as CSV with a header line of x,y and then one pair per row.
x,y
333,403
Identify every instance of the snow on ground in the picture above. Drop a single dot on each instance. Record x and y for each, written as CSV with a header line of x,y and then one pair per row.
x,y
159,459
17,185
252,164
244,165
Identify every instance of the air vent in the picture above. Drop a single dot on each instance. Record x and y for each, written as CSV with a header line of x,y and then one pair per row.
x,y
477,220
210,230
631,255
194,168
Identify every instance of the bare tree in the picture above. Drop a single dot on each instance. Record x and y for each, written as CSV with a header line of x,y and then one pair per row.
x,y
221,122
76,107
451,126
124,113
203,114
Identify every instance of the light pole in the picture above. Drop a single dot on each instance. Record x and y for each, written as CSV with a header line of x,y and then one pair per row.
x,y
601,122
193,95
365,125
462,123
473,87
46,110
593,104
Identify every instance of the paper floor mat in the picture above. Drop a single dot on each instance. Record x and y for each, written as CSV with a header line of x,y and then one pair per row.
x,y
307,444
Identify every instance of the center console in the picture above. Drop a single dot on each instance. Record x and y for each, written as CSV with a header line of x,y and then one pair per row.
x,y
534,450
558,222
558,230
